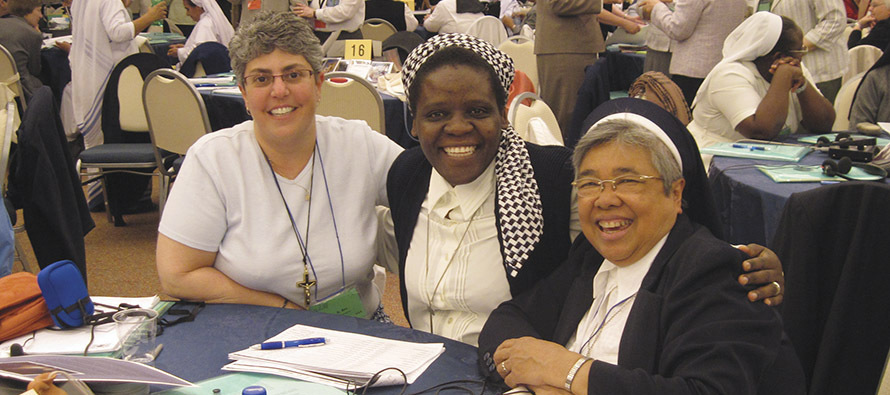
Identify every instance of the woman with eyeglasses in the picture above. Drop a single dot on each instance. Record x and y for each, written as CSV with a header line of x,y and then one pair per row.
x,y
760,88
647,301
280,210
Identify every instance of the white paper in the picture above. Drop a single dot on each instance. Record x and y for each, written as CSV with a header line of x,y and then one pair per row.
x,y
212,80
73,341
885,126
346,355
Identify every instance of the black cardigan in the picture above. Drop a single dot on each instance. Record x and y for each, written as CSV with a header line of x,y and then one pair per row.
x,y
691,329
408,183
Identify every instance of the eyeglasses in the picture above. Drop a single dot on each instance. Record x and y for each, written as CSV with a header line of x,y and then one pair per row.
x,y
797,52
262,80
180,312
592,187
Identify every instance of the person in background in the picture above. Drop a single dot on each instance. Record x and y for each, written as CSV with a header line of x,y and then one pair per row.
x,y
871,103
647,302
452,16
96,48
513,13
20,36
567,39
280,210
329,16
394,11
822,22
879,22
4,8
760,87
244,11
212,25
697,29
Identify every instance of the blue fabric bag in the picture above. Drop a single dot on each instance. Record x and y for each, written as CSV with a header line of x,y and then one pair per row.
x,y
66,294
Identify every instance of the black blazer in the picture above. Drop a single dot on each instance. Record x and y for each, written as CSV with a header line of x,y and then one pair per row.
x,y
409,181
691,328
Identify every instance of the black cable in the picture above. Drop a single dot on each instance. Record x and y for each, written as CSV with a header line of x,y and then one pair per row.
x,y
377,375
92,336
450,384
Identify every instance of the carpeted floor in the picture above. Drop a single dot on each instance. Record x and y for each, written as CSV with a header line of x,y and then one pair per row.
x,y
121,261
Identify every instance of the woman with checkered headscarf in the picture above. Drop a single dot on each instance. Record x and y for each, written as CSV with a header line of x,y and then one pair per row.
x,y
485,214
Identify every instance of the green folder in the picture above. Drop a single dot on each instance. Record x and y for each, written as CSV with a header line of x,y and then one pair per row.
x,y
787,153
799,173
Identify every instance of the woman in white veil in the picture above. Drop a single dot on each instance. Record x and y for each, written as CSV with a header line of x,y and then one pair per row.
x,y
212,25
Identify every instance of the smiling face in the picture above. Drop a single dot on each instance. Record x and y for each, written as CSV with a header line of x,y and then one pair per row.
x,y
458,122
281,109
624,225
192,11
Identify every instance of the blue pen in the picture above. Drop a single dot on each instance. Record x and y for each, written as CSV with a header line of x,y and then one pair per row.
x,y
204,85
749,147
308,342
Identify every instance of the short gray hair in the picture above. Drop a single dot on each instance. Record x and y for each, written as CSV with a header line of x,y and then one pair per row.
x,y
268,31
630,133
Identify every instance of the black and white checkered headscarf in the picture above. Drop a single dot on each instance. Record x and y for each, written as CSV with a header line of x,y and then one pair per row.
x,y
519,203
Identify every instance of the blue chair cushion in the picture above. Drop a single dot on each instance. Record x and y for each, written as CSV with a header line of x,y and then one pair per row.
x,y
119,153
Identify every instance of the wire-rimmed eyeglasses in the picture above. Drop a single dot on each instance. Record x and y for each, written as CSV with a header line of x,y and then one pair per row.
x,y
262,80
592,187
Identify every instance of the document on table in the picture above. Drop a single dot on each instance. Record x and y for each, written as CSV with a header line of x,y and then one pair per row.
x,y
89,369
73,341
347,359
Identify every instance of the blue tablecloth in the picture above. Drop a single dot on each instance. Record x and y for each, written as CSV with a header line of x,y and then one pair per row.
x,y
197,350
750,204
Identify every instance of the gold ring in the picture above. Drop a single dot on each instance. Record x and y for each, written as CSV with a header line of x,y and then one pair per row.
x,y
778,287
504,367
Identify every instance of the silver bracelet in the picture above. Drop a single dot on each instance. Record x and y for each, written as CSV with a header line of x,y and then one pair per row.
x,y
574,370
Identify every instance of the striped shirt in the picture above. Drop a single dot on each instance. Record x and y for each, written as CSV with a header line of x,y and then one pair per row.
x,y
822,22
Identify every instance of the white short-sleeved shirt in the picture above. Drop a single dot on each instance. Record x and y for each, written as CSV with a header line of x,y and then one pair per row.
x,y
225,200
734,93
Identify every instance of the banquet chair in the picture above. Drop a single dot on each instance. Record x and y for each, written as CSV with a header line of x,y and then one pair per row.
x,y
127,144
843,102
522,51
377,29
832,244
531,122
404,42
8,126
176,118
488,28
207,58
862,57
9,77
348,96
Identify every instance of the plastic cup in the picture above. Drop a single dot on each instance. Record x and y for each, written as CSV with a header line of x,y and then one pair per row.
x,y
137,329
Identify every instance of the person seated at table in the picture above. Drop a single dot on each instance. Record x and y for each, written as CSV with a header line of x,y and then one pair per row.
x,y
647,301
871,103
345,16
394,11
20,36
879,22
760,88
453,16
479,215
212,25
278,211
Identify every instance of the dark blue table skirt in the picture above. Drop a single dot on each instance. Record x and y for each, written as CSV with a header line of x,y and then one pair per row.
x,y
750,204
227,110
197,350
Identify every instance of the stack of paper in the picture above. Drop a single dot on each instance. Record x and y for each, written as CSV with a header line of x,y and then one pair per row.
x,y
346,360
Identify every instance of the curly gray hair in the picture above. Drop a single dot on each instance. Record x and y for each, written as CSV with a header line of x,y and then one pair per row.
x,y
269,31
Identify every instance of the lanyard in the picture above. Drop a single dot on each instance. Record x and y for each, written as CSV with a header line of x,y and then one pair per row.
x,y
603,322
306,284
